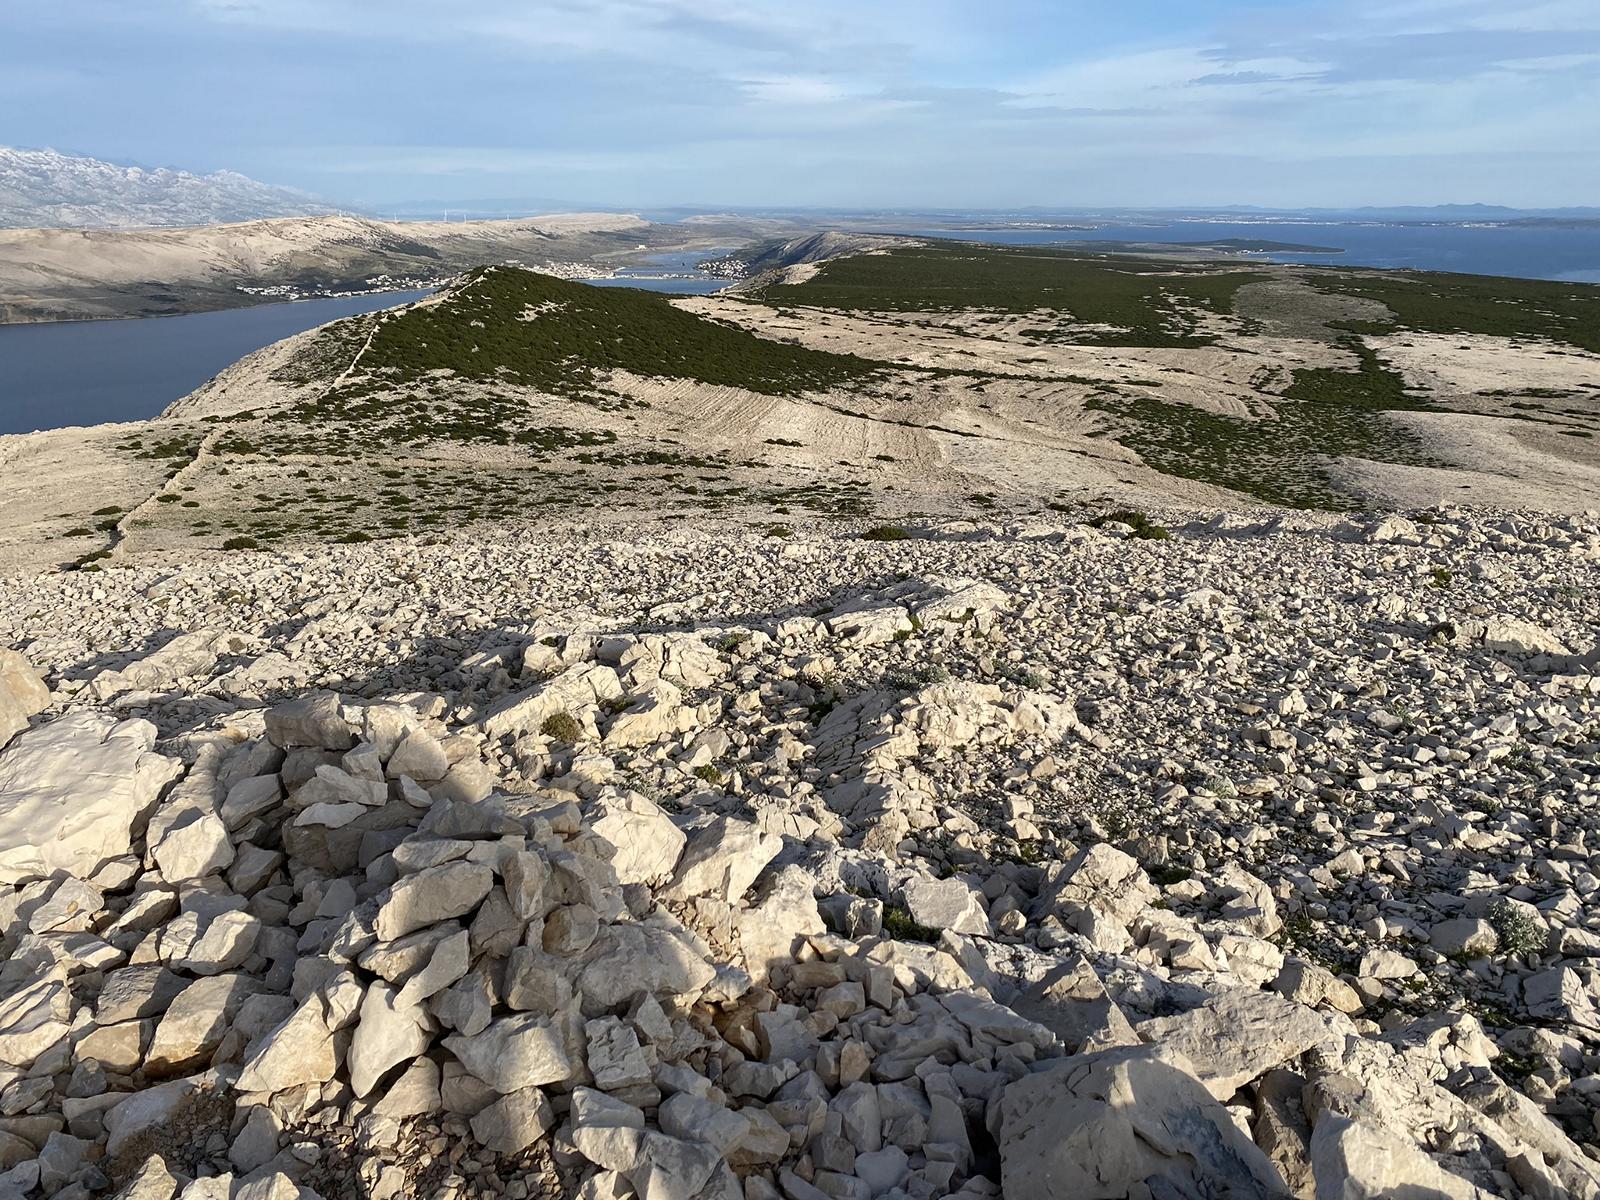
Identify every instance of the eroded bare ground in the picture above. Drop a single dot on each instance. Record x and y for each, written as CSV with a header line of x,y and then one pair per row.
x,y
957,413
62,492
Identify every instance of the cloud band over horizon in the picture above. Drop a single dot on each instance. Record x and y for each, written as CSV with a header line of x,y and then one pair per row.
x,y
896,103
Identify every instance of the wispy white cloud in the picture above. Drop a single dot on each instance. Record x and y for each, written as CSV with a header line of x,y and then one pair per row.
x,y
1039,100
613,28
484,160
1552,62
792,89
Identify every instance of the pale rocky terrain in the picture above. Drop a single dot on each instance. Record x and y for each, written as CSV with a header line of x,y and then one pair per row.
x,y
795,257
69,274
552,741
1023,858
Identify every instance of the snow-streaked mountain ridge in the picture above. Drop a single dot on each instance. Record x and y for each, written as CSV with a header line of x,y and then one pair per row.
x,y
46,188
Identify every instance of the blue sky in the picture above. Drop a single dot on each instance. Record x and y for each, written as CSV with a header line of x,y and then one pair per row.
x,y
878,103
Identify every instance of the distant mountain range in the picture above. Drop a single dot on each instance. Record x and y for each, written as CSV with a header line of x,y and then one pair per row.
x,y
47,189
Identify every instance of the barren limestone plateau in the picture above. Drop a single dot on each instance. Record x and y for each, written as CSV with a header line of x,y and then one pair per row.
x,y
885,386
940,721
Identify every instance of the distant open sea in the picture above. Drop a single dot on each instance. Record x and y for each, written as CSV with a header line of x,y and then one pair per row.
x,y
1570,255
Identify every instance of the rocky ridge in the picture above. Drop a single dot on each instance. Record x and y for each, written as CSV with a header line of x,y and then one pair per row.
x,y
45,188
57,274
768,261
1047,860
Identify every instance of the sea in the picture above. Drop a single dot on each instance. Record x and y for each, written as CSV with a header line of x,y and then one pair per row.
x,y
1570,254
676,272
66,373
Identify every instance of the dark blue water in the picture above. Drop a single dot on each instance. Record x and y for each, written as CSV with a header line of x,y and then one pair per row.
x,y
1572,255
90,372
674,272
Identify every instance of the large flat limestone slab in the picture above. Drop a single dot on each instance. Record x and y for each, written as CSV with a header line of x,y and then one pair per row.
x,y
73,791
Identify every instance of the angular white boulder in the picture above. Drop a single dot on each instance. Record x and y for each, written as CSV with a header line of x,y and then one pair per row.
x,y
722,859
1132,1119
1238,1035
1468,937
1355,1161
428,897
392,1030
196,1022
73,791
22,694
310,720
785,911
951,904
34,1018
144,1110
628,959
648,843
513,1123
414,1093
192,848
250,797
652,716
419,756
575,689
185,656
1511,636
1309,984
1560,994
299,1050
1073,1004
514,1052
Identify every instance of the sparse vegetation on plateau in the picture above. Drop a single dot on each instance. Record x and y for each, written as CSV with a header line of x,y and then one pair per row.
x,y
505,324
1282,459
1440,302
1114,301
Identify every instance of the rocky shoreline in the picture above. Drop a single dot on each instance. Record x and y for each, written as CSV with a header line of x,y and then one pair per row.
x,y
1219,856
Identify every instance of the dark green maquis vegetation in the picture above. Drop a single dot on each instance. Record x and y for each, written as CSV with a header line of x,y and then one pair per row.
x,y
1280,457
521,327
1436,302
1371,386
1140,302
504,330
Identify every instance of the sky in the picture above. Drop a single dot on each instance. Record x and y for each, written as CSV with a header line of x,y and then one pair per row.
x,y
828,103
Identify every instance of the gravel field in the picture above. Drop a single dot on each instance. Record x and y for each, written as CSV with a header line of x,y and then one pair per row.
x,y
1165,854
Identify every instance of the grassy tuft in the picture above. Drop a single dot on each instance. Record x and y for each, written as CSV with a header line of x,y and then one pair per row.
x,y
562,727
886,533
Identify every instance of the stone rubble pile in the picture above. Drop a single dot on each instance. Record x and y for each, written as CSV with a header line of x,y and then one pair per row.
x,y
848,898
